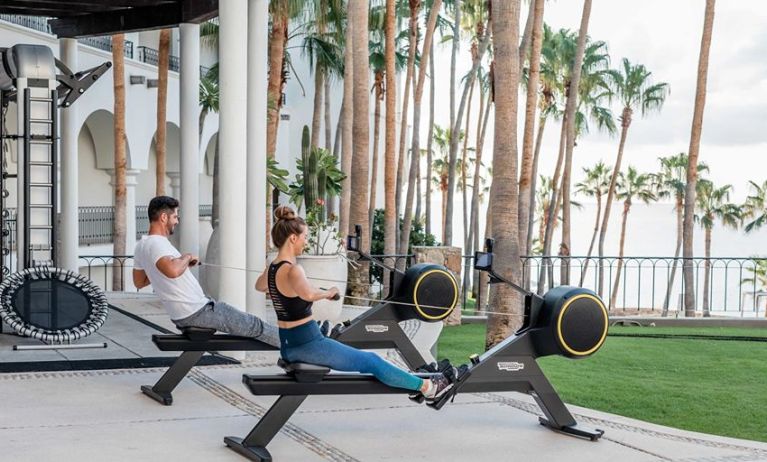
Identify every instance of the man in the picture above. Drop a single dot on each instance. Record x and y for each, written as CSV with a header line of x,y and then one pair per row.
x,y
158,263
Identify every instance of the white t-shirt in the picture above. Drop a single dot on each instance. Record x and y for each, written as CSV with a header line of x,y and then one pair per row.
x,y
181,296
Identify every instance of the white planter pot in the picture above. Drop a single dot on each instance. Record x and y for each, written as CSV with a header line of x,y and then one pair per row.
x,y
326,271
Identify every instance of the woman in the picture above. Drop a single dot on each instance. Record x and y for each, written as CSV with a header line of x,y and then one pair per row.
x,y
300,337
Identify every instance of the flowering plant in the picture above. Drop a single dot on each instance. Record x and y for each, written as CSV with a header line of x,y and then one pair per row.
x,y
324,238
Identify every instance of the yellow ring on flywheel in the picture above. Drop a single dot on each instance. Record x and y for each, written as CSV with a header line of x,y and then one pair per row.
x,y
415,295
559,325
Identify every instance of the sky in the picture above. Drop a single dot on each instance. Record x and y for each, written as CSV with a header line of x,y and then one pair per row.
x,y
665,37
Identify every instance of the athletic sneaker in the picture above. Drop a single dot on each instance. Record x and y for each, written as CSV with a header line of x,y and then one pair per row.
x,y
438,386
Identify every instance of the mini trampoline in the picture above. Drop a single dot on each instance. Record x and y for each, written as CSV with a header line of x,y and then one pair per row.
x,y
52,304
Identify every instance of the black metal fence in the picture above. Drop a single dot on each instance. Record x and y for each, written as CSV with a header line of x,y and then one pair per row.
x,y
101,268
152,56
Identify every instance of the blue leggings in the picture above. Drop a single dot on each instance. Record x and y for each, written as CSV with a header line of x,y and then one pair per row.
x,y
306,344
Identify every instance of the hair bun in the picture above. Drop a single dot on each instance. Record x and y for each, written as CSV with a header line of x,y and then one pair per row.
x,y
283,212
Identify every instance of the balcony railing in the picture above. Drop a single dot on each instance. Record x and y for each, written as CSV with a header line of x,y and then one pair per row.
x,y
152,56
105,43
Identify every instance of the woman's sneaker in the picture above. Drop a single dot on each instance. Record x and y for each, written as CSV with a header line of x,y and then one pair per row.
x,y
438,386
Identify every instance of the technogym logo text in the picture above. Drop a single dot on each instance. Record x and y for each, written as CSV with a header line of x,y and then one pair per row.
x,y
510,366
376,328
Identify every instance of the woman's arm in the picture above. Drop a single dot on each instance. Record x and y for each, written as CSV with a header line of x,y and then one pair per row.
x,y
262,283
299,283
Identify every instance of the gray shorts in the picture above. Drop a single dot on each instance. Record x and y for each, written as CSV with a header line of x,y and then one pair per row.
x,y
229,320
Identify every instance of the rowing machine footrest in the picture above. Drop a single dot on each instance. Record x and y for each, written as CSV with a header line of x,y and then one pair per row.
x,y
198,334
304,372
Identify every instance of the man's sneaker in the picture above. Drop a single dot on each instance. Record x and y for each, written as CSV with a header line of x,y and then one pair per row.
x,y
438,387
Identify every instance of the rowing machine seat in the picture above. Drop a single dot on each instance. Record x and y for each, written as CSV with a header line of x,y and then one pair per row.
x,y
198,334
304,372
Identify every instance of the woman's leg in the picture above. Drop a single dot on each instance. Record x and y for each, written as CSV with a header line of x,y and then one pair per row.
x,y
330,353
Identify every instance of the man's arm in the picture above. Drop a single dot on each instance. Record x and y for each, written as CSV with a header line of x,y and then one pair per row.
x,y
175,267
140,279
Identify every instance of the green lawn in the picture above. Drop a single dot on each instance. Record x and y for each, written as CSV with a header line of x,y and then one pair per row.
x,y
711,386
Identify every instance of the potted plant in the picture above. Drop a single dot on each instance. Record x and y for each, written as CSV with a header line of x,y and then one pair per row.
x,y
324,259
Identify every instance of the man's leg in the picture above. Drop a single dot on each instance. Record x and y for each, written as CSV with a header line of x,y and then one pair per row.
x,y
226,318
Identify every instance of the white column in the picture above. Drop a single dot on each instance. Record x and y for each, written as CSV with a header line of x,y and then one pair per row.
x,y
68,204
233,17
189,228
131,180
177,190
258,26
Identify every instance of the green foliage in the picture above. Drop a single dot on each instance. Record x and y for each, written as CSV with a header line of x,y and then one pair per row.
x,y
418,237
318,177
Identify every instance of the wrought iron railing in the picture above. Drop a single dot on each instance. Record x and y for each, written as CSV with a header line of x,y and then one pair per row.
x,y
101,269
152,56
105,43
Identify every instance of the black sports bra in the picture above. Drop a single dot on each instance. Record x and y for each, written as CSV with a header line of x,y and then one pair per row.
x,y
287,308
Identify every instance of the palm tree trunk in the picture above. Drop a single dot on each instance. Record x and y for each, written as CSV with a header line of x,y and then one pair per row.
x,y
593,239
505,189
572,103
318,106
162,110
120,191
546,265
625,123
347,142
617,282
707,276
430,141
464,161
475,196
418,193
374,165
533,185
679,228
328,122
358,13
454,138
277,41
524,44
526,170
692,166
401,156
415,147
390,139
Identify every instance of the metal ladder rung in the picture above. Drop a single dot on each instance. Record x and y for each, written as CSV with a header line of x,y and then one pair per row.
x,y
40,206
39,142
41,121
38,99
46,227
42,164
40,185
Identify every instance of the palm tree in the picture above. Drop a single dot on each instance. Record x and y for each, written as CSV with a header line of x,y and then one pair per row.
x,y
121,162
756,207
671,181
758,279
692,170
594,185
415,147
531,103
712,204
209,103
162,110
358,14
390,162
347,142
631,185
633,87
504,191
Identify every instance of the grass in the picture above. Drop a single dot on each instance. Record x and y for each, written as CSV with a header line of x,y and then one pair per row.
x,y
710,386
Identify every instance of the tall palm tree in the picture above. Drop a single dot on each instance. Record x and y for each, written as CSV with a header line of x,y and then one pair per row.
x,y
594,185
414,9
347,139
504,191
671,181
209,103
441,165
712,204
358,14
531,103
390,162
758,278
162,110
633,86
692,170
631,185
415,147
121,161
755,207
